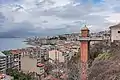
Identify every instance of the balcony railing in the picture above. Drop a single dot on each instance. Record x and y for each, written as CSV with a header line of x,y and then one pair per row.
x,y
2,67
90,39
2,62
2,59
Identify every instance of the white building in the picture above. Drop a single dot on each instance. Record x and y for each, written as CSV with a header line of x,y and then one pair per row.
x,y
56,54
115,32
2,63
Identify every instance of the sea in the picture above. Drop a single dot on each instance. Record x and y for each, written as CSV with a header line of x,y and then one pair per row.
x,y
12,43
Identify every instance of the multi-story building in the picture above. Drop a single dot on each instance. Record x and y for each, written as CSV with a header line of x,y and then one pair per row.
x,y
13,59
16,59
56,55
2,63
43,55
9,61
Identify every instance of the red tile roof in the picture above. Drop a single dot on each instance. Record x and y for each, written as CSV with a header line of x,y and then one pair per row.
x,y
2,76
40,65
15,51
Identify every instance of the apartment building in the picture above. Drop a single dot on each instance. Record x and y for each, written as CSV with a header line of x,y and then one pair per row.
x,y
43,55
13,59
9,61
16,59
2,63
56,55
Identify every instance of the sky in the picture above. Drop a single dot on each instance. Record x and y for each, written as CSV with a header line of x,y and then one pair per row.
x,y
48,17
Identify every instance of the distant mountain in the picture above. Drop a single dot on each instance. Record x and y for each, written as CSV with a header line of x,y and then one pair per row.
x,y
16,34
27,30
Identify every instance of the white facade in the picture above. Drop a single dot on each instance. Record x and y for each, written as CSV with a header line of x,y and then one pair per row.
x,y
55,53
115,33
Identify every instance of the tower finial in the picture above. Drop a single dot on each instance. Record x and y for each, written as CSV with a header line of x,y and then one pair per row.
x,y
85,27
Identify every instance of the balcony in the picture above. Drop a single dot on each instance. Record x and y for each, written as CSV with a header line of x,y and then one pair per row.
x,y
2,67
3,70
2,59
15,67
16,64
16,60
2,62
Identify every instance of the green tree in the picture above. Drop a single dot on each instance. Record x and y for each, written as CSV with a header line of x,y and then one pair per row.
x,y
19,75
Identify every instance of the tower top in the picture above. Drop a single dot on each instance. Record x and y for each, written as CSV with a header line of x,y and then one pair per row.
x,y
85,28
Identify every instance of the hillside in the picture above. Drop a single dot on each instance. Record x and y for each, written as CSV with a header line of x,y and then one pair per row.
x,y
74,68
104,62
106,66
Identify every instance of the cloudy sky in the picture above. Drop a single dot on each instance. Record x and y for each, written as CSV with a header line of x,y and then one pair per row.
x,y
46,17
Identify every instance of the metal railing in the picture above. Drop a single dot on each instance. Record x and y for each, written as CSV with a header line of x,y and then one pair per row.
x,y
90,39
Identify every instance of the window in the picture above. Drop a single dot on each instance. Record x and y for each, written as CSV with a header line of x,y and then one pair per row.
x,y
118,31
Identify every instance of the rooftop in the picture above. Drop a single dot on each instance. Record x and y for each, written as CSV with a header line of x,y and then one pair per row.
x,y
117,25
2,54
14,51
40,65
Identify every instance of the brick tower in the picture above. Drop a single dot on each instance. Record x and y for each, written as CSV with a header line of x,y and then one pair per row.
x,y
84,50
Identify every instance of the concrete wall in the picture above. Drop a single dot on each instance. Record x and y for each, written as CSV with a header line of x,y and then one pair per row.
x,y
114,33
29,64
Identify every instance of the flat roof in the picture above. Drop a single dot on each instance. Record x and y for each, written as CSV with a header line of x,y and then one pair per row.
x,y
2,55
117,25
